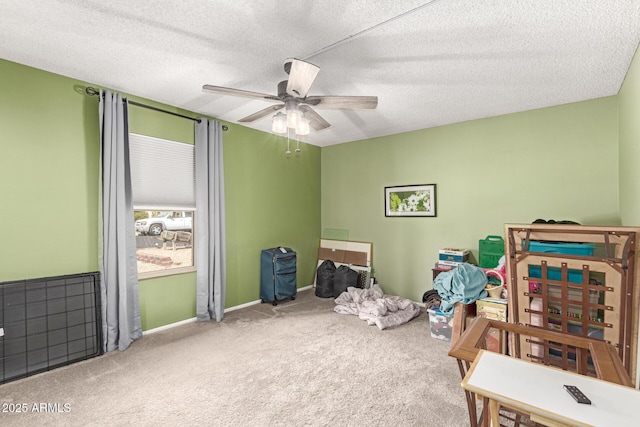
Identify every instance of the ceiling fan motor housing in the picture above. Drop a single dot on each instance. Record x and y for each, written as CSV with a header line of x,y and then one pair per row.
x,y
282,90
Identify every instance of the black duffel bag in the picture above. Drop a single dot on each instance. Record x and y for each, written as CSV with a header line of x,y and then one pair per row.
x,y
324,279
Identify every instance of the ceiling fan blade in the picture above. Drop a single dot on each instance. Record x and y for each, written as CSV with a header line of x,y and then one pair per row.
x,y
237,92
315,120
260,114
343,102
301,77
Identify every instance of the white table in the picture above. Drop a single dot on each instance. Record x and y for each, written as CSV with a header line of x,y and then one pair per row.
x,y
537,390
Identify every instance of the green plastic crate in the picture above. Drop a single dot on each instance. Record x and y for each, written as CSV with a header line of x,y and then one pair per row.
x,y
491,249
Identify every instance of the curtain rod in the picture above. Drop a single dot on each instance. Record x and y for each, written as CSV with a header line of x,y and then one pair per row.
x,y
93,91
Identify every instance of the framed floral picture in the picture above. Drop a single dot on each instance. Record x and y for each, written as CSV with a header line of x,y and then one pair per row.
x,y
410,200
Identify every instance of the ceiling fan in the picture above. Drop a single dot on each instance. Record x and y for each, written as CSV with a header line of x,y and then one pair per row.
x,y
292,96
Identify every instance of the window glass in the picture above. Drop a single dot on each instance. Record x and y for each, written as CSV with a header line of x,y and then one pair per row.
x,y
164,241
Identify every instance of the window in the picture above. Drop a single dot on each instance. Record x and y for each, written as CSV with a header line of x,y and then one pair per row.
x,y
163,187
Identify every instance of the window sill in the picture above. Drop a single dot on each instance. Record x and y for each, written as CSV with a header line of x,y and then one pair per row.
x,y
167,272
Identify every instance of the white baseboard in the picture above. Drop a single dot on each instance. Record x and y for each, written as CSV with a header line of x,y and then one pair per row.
x,y
248,304
193,319
245,305
169,326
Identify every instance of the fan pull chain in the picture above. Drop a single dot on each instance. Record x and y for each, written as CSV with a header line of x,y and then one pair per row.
x,y
288,149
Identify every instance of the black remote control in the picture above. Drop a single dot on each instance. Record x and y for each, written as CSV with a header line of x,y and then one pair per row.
x,y
577,394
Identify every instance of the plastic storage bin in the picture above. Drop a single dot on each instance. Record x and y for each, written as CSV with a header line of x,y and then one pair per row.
x,y
561,248
490,249
555,273
440,324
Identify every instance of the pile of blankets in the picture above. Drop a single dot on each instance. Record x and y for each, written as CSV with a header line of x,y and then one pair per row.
x,y
372,305
464,284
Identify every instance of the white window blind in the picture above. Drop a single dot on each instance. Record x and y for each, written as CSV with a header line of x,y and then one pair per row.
x,y
162,173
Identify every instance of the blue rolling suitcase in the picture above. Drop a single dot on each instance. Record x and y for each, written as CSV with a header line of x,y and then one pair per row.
x,y
278,274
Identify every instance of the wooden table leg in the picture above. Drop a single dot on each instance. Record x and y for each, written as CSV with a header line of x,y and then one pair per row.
x,y
494,410
486,413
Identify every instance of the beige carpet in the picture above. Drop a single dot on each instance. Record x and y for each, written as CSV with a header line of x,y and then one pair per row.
x,y
296,364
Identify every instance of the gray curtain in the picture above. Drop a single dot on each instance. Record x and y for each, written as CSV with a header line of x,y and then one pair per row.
x,y
120,308
209,221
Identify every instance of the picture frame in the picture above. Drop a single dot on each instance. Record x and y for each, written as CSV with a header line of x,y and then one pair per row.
x,y
410,201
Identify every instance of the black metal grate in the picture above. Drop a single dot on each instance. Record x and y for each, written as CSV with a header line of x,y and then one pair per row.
x,y
48,323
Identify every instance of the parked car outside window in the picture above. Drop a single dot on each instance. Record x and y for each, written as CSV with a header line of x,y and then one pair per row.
x,y
165,221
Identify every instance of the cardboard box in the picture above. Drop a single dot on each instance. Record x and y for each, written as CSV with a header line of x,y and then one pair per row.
x,y
452,254
444,267
454,251
343,256
495,309
440,325
448,263
492,308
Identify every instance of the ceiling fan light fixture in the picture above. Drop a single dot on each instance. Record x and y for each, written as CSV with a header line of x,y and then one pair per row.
x,y
293,118
279,124
303,127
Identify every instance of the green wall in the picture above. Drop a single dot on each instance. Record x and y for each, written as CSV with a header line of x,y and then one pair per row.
x,y
552,163
49,169
272,200
629,122
629,129
49,146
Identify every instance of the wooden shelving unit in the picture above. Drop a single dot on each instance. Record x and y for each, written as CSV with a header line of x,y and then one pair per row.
x,y
590,295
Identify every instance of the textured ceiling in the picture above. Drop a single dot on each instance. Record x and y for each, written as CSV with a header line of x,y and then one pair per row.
x,y
429,63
